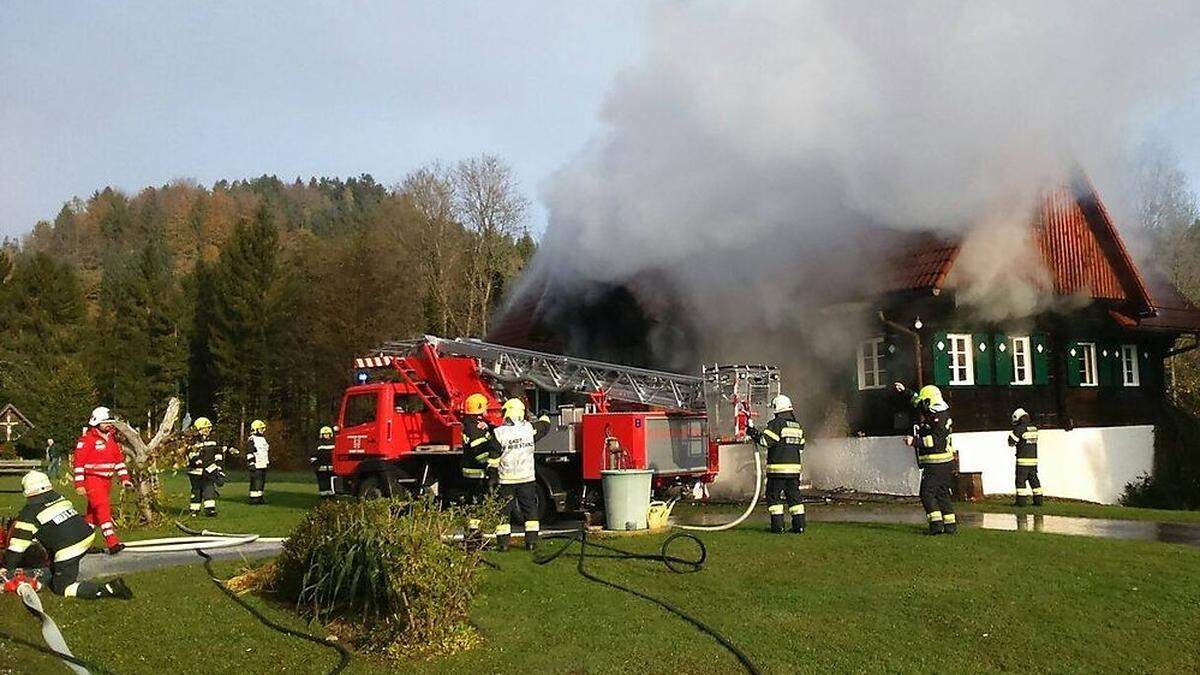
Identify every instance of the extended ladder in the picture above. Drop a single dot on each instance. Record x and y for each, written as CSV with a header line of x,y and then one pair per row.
x,y
555,372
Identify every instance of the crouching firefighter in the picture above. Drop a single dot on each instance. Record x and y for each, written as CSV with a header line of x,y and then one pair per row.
x,y
518,486
258,460
322,463
479,466
783,437
52,521
932,440
1024,436
204,466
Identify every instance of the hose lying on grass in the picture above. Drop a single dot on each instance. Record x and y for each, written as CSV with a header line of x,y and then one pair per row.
x,y
176,544
674,563
343,653
51,634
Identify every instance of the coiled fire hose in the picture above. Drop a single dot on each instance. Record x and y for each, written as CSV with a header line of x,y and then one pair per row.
x,y
674,563
750,509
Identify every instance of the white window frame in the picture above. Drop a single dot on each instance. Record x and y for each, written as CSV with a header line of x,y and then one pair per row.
x,y
1022,347
967,359
1130,374
1088,357
874,378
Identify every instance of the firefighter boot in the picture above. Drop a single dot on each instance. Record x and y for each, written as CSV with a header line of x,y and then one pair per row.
x,y
777,523
935,523
1022,496
950,523
211,512
115,589
1037,496
798,518
531,540
503,535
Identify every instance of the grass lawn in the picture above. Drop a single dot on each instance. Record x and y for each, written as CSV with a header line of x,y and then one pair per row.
x,y
841,598
289,495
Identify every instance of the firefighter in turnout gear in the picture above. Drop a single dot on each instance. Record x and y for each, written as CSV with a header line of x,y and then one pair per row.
x,y
783,439
51,520
205,461
479,467
513,452
933,441
98,457
1024,436
322,463
258,459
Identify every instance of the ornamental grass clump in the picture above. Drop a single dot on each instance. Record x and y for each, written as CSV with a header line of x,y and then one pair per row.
x,y
384,575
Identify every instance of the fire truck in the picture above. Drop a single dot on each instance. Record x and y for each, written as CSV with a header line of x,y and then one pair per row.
x,y
400,429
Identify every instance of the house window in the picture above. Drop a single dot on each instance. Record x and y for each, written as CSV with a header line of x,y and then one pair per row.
x,y
1130,376
962,370
871,373
1022,367
1087,364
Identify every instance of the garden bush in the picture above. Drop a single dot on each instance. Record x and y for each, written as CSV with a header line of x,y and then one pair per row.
x,y
384,575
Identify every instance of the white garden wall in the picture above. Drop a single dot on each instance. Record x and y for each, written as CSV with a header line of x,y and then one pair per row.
x,y
1091,463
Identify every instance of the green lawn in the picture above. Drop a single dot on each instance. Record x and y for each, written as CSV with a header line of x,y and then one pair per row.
x,y
289,495
841,598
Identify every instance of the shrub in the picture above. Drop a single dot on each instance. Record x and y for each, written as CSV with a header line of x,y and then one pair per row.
x,y
383,575
1175,482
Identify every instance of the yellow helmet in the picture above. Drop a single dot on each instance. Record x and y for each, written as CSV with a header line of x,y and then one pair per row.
x,y
326,432
202,424
514,409
476,404
258,425
931,397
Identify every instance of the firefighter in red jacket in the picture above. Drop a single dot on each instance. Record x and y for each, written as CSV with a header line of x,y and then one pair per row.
x,y
97,458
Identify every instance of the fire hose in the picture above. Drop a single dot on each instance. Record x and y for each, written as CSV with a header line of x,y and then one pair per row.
x,y
51,634
750,509
674,563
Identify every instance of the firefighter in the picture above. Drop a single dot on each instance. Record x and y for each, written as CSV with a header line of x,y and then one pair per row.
x,y
322,463
98,457
783,439
258,459
932,440
51,520
513,452
205,462
1024,436
479,468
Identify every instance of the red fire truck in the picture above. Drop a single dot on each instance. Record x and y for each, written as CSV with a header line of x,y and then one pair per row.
x,y
399,428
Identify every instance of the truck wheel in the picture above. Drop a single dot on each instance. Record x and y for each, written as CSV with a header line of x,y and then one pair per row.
x,y
546,511
372,487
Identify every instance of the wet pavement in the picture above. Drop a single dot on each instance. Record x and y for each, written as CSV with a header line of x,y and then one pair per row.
x,y
1175,533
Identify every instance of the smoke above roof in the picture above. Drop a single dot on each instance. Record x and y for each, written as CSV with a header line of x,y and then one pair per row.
x,y
751,154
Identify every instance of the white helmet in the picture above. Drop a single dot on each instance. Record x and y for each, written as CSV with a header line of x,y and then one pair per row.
x,y
781,404
35,483
1018,414
100,415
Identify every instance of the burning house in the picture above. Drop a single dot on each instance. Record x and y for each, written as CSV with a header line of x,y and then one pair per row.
x,y
1084,349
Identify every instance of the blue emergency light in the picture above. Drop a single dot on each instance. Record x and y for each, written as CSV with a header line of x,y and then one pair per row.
x,y
362,377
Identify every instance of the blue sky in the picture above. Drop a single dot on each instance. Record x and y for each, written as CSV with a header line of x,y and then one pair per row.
x,y
130,94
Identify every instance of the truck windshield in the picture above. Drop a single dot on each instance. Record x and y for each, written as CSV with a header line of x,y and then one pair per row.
x,y
409,403
360,409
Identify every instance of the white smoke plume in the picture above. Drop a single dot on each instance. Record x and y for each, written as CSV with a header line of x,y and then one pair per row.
x,y
750,154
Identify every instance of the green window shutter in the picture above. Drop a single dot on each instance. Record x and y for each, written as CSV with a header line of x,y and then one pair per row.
x,y
1148,367
941,359
982,357
1041,363
1002,353
1104,374
1074,361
